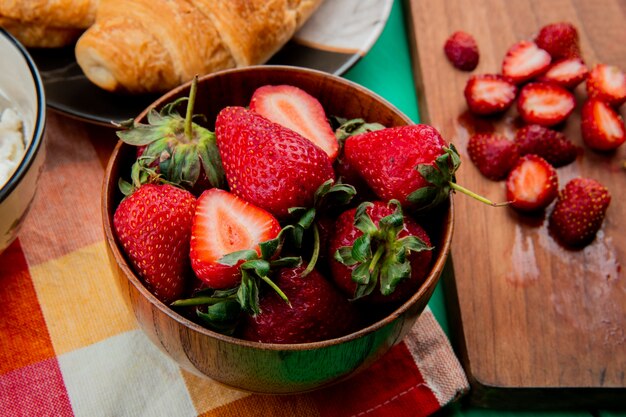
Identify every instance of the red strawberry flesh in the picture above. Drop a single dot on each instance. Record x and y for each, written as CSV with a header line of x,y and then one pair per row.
x,y
567,73
524,61
223,224
607,83
602,127
489,94
579,211
494,155
532,184
297,110
462,51
545,104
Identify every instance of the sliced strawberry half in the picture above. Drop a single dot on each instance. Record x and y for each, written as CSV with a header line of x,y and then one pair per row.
x,y
559,39
607,83
549,144
532,184
602,127
489,93
524,61
567,73
224,223
545,103
297,110
494,155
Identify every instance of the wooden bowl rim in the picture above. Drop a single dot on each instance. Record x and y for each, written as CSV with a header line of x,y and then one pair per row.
x,y
430,281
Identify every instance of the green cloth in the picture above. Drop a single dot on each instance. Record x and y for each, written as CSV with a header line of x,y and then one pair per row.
x,y
387,70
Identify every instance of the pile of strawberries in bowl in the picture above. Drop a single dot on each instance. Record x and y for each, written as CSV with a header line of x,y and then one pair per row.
x,y
539,77
273,211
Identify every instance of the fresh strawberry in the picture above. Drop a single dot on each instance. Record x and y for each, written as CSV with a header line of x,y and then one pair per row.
x,y
549,144
462,51
267,164
567,73
607,83
494,155
411,164
579,211
379,254
316,311
224,223
524,61
153,225
532,184
602,127
545,104
184,152
560,40
489,94
297,110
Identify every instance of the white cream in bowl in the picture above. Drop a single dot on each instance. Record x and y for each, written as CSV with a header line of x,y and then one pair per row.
x,y
11,144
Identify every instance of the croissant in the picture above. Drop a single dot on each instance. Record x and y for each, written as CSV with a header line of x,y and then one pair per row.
x,y
78,14
33,35
143,46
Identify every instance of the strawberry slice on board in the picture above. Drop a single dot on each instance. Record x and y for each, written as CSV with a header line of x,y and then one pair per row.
x,y
567,73
602,127
579,211
297,110
559,39
524,61
607,83
489,94
549,144
224,223
462,51
532,184
545,104
494,155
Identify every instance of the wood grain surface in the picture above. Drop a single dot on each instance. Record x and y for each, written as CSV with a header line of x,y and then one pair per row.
x,y
536,325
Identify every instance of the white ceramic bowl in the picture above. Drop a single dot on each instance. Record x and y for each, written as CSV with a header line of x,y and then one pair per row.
x,y
21,89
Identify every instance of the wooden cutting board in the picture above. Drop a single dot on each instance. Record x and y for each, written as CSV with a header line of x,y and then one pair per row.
x,y
536,325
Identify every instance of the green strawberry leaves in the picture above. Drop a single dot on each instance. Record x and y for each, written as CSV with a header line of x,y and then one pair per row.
x,y
179,146
353,127
379,257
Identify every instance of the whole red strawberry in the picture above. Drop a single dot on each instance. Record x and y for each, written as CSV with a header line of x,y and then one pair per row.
x,y
494,155
549,144
579,211
462,51
267,164
560,40
153,225
316,311
379,254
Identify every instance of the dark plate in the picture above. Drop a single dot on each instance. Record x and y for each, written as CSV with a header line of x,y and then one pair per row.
x,y
315,46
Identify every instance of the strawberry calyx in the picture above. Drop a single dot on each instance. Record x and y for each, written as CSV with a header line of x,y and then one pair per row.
x,y
142,173
328,196
442,179
223,310
379,256
353,127
178,145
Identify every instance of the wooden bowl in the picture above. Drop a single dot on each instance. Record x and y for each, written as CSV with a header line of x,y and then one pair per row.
x,y
252,366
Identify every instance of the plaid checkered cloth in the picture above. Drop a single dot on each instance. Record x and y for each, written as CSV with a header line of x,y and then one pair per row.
x,y
70,347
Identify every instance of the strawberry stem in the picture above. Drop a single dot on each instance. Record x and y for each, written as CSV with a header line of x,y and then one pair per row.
x,y
316,251
280,292
472,194
379,253
196,301
190,104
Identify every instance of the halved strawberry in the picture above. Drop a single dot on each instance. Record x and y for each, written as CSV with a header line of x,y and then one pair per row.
x,y
560,40
567,73
532,184
494,155
297,110
489,93
545,104
224,223
607,83
549,144
462,51
602,127
524,61
579,211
